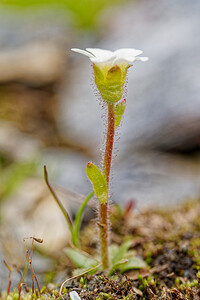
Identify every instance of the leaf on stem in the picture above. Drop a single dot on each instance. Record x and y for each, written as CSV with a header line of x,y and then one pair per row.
x,y
119,111
98,182
133,262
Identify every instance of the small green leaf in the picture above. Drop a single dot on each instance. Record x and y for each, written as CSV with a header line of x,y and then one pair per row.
x,y
120,253
119,111
123,259
98,181
113,250
133,263
79,259
117,265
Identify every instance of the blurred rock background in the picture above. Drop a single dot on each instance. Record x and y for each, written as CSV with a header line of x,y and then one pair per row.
x,y
49,114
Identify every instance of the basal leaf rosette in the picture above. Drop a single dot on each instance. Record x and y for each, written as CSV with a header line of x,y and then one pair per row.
x,y
110,70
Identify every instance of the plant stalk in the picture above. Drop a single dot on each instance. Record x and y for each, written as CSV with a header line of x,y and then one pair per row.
x,y
103,209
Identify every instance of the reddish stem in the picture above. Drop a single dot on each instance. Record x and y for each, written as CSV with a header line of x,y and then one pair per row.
x,y
103,209
109,142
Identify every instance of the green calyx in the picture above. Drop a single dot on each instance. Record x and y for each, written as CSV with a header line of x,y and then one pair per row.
x,y
110,82
119,111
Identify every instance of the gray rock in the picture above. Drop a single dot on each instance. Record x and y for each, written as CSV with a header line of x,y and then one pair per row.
x,y
148,177
35,63
32,46
156,179
17,145
67,169
26,27
33,212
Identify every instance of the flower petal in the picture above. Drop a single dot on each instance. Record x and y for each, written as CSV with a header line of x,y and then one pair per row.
x,y
127,53
101,55
142,58
120,56
120,60
88,54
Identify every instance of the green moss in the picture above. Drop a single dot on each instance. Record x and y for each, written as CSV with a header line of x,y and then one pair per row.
x,y
105,296
83,282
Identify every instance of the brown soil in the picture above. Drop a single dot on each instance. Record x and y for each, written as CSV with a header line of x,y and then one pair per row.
x,y
169,241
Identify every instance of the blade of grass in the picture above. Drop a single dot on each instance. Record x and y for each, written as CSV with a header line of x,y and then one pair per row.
x,y
77,222
65,213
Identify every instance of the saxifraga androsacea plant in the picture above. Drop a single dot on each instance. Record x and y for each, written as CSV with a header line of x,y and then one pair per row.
x,y
110,74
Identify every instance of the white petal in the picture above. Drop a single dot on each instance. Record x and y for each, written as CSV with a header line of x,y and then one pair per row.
x,y
120,56
142,58
127,54
119,61
101,55
88,54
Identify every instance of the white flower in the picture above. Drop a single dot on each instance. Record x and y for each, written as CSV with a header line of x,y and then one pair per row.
x,y
110,69
118,57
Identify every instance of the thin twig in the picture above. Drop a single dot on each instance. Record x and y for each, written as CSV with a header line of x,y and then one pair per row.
x,y
38,240
20,289
21,282
9,276
31,267
30,263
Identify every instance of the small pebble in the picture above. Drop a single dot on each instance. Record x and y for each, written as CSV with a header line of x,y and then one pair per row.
x,y
74,296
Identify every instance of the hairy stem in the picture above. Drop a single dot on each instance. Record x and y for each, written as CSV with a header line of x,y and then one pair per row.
x,y
103,209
